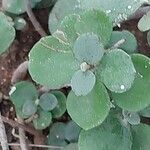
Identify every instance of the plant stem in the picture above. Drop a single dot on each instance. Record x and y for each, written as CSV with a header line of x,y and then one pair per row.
x,y
33,19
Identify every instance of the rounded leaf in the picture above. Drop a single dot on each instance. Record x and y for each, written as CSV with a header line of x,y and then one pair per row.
x,y
56,135
117,10
89,111
82,82
141,137
145,112
19,23
144,22
48,101
60,109
22,92
47,58
97,22
111,135
130,44
87,48
8,32
29,108
61,9
43,121
138,97
116,71
72,131
72,146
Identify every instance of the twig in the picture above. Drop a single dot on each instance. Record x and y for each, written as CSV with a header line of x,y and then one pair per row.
x,y
22,136
3,137
36,145
15,124
34,21
20,72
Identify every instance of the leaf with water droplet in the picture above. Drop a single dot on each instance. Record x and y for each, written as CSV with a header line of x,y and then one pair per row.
x,y
60,109
95,21
61,9
117,10
110,135
56,135
116,71
144,22
46,60
89,111
138,96
130,43
43,120
141,137
48,101
7,32
83,82
88,48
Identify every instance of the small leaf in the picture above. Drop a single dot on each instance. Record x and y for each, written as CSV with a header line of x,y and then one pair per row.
x,y
8,32
118,10
72,146
89,111
117,71
97,22
72,131
111,135
56,135
22,92
83,82
61,9
141,137
29,108
145,112
87,48
48,101
138,97
43,121
47,58
130,44
60,109
132,118
19,23
144,22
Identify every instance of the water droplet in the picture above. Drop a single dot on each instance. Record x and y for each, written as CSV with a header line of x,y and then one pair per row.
x,y
129,7
145,66
122,87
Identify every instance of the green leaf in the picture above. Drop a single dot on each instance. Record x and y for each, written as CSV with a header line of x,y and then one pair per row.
x,y
138,97
47,58
111,135
82,82
97,22
60,109
148,38
29,108
16,6
145,112
56,135
87,48
48,101
72,131
72,146
7,32
131,118
89,111
45,3
19,23
117,10
116,71
130,44
21,114
67,26
43,121
141,137
22,92
61,9
144,22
